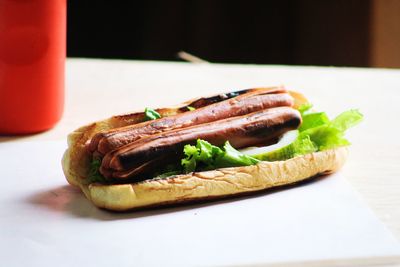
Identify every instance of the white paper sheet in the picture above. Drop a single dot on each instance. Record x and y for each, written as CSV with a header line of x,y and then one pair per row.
x,y
45,222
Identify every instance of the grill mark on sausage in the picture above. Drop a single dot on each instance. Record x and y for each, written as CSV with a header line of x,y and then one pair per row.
x,y
242,131
205,101
250,101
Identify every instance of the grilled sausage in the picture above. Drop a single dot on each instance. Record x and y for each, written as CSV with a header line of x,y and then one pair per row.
x,y
251,129
243,104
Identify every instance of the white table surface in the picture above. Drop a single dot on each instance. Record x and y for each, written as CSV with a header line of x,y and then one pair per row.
x,y
44,222
96,89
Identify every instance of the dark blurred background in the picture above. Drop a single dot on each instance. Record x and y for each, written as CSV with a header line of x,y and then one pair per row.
x,y
303,32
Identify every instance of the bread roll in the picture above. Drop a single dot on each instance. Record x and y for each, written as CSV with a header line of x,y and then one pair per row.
x,y
189,187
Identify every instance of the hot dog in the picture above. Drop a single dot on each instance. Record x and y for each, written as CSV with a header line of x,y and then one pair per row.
x,y
243,103
125,154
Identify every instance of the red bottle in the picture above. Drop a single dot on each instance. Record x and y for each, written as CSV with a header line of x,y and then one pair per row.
x,y
32,58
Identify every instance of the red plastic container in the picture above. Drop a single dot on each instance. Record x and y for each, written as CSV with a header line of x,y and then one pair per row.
x,y
32,58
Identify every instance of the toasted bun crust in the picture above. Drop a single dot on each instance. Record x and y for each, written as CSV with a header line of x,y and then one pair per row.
x,y
193,186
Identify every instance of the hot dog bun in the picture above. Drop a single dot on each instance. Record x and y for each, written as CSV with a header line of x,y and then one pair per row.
x,y
193,186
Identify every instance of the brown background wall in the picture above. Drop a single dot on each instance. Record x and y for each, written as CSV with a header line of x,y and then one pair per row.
x,y
385,33
303,32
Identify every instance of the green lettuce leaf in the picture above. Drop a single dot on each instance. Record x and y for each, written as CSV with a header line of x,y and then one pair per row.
x,y
94,175
205,156
230,157
300,146
311,120
331,134
305,108
151,114
347,120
